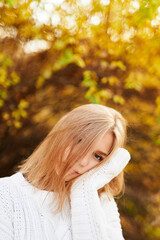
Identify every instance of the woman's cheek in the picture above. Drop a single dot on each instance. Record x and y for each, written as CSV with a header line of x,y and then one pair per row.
x,y
94,162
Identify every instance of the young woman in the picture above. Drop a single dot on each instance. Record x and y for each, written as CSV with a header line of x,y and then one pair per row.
x,y
66,188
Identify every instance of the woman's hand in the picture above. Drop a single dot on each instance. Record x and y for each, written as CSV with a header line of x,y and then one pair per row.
x,y
88,215
101,175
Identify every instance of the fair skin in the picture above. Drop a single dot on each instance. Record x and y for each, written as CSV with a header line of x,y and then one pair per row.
x,y
100,150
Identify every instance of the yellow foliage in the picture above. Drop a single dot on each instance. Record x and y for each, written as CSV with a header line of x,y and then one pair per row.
x,y
134,81
5,115
23,104
117,46
118,64
15,78
105,94
40,82
118,99
112,80
68,90
1,102
104,80
17,124
157,111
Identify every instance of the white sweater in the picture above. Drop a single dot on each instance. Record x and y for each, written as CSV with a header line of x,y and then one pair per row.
x,y
26,214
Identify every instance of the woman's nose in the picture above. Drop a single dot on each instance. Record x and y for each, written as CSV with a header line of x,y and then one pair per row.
x,y
84,162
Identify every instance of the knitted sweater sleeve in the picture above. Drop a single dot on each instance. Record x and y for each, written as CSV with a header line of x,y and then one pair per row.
x,y
93,219
6,226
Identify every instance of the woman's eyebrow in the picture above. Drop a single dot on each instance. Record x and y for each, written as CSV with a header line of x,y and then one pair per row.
x,y
104,154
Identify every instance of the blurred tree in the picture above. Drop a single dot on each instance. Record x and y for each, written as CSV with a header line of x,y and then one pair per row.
x,y
53,54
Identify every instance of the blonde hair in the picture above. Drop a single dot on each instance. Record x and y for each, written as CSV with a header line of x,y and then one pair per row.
x,y
74,134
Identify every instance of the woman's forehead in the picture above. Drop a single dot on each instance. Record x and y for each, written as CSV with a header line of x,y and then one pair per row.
x,y
105,143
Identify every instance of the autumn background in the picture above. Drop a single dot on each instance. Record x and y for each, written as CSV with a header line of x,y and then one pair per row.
x,y
56,55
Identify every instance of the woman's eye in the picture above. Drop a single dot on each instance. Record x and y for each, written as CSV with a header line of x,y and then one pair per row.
x,y
97,156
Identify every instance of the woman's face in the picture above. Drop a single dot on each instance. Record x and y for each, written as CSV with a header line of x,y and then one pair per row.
x,y
101,149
